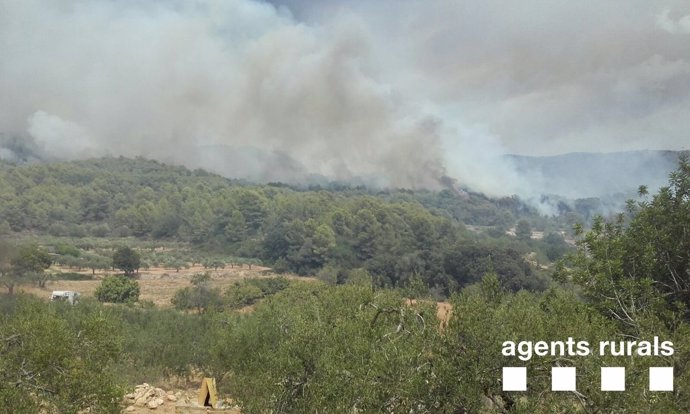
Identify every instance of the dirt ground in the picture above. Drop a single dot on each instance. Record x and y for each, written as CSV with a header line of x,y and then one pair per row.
x,y
157,285
184,397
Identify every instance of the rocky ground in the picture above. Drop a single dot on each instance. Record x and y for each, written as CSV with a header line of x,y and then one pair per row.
x,y
146,399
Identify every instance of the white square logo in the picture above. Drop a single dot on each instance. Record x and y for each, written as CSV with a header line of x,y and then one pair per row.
x,y
563,379
514,379
613,378
661,379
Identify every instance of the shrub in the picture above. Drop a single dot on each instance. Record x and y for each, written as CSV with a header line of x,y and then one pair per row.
x,y
199,296
58,359
270,286
249,291
126,260
118,289
242,294
64,249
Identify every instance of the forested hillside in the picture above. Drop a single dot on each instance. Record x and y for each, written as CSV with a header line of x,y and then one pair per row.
x,y
348,345
394,234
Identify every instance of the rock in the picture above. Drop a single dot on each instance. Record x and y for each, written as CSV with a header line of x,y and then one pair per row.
x,y
130,396
171,397
130,409
140,402
159,401
152,404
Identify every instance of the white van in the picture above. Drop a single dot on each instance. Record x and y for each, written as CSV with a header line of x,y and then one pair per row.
x,y
66,295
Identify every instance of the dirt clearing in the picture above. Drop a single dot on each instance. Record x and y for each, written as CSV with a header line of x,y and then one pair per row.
x,y
157,285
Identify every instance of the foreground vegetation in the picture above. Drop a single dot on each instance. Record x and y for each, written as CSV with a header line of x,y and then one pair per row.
x,y
314,347
355,345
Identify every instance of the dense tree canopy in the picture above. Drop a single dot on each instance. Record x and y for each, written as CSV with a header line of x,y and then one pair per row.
x,y
393,234
22,264
31,261
127,260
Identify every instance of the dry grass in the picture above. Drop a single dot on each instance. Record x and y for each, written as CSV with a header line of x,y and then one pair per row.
x,y
157,285
443,311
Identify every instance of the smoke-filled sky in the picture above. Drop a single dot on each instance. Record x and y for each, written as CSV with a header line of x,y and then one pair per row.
x,y
403,91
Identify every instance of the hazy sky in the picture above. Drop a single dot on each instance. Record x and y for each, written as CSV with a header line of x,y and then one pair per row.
x,y
545,76
404,90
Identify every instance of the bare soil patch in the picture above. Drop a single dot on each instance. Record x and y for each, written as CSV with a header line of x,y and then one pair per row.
x,y
157,285
443,311
170,400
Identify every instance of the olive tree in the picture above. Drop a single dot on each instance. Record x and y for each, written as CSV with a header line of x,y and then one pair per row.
x,y
127,260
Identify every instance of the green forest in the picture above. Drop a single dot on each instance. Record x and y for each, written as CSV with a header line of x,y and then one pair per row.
x,y
394,234
360,332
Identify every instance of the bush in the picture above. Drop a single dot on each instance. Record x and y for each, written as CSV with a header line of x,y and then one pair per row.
x,y
118,289
101,230
58,359
242,294
64,249
296,350
197,297
270,286
126,260
250,291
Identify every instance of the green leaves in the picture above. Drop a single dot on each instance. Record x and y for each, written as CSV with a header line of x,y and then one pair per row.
x,y
23,263
55,362
126,260
118,289
331,349
636,271
31,259
200,296
639,266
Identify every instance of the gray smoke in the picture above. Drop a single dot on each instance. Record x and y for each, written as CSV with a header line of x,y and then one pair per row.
x,y
401,93
168,79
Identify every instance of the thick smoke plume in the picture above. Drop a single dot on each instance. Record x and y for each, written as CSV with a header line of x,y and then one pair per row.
x,y
392,93
170,80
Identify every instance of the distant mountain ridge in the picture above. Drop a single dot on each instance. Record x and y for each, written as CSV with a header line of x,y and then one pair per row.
x,y
583,174
615,175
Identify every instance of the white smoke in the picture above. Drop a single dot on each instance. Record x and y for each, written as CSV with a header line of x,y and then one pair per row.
x,y
665,22
402,91
59,138
162,79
